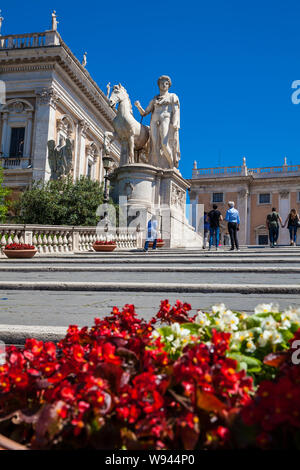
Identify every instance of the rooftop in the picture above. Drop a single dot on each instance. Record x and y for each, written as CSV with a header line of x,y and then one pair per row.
x,y
243,170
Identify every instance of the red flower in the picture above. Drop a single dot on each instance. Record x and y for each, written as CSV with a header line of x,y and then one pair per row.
x,y
19,246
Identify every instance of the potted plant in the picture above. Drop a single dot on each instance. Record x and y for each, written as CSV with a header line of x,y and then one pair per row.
x,y
19,250
105,245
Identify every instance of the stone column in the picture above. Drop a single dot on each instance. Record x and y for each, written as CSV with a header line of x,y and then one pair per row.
x,y
28,131
76,150
44,131
242,204
5,136
83,128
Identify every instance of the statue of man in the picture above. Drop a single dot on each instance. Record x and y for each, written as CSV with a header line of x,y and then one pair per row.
x,y
54,21
107,90
164,125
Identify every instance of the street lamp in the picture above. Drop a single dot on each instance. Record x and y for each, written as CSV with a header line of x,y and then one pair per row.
x,y
107,161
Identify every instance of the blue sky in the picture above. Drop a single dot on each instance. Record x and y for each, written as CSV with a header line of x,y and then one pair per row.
x,y
232,64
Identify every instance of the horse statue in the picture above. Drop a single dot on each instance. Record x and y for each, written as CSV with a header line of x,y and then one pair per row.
x,y
134,136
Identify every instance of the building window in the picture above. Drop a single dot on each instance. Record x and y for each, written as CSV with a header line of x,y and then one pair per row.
x,y
17,142
264,198
89,170
217,197
298,196
263,239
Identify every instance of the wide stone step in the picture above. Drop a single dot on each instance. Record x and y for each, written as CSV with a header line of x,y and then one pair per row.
x,y
150,287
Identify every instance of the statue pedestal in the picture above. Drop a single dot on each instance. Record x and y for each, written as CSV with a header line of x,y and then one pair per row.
x,y
145,190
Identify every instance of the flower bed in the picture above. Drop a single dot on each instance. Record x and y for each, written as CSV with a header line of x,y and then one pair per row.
x,y
19,250
176,382
19,246
105,243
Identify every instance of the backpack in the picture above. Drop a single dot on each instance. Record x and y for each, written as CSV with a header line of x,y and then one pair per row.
x,y
273,218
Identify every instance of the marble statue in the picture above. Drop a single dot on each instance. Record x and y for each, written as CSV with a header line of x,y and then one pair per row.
x,y
132,135
54,21
60,158
108,90
84,61
164,126
1,21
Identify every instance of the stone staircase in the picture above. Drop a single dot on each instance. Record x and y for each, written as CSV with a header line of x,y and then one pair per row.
x,y
43,295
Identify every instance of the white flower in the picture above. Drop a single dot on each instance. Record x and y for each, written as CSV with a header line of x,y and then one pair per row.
x,y
219,322
155,334
265,308
239,336
285,322
293,314
170,338
219,308
268,323
176,344
250,346
184,333
276,337
202,319
175,327
264,338
231,320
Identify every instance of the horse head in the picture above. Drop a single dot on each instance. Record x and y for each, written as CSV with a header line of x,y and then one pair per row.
x,y
118,95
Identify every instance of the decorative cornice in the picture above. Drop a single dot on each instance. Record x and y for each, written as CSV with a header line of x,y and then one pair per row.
x,y
26,68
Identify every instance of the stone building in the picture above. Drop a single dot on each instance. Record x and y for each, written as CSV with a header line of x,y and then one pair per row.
x,y
53,107
254,190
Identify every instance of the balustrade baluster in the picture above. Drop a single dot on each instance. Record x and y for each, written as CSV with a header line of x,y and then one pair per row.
x,y
65,242
39,242
55,243
60,242
46,241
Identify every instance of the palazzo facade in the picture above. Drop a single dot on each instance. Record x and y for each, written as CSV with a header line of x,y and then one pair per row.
x,y
50,96
254,190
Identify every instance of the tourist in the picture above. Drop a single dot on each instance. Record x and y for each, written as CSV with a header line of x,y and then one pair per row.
x,y
151,233
233,219
214,217
292,222
272,224
206,229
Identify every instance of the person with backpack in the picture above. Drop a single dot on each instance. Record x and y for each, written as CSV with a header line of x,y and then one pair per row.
x,y
293,222
214,217
206,229
272,224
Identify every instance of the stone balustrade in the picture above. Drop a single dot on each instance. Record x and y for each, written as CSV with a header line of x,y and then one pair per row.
x,y
11,163
20,41
263,172
65,239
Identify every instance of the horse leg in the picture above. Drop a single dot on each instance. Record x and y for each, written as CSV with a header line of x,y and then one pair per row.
x,y
131,149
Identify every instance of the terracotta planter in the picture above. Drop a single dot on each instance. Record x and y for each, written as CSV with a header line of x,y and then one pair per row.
x,y
19,253
158,244
104,247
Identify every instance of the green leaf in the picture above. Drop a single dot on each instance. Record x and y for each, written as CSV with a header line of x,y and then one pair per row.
x,y
252,364
192,327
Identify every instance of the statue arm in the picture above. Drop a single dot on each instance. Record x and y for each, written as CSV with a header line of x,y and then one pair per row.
x,y
176,113
144,112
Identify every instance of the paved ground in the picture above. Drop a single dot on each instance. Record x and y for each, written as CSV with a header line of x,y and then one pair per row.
x,y
280,267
